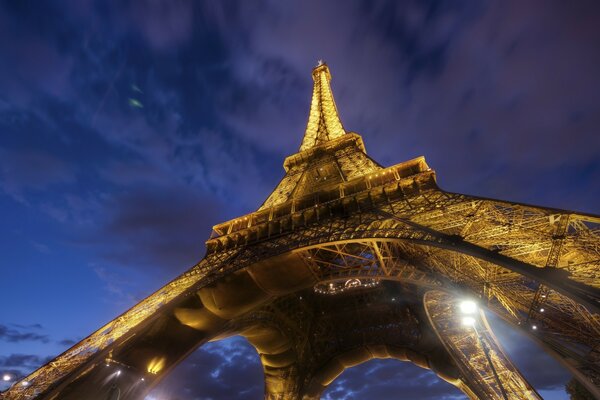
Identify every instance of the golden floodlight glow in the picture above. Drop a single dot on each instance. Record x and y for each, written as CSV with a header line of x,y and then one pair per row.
x,y
362,231
156,364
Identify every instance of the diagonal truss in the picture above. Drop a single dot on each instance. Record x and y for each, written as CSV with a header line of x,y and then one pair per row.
x,y
339,225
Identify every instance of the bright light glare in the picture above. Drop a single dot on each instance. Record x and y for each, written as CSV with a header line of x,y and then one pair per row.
x,y
24,383
468,321
468,307
118,372
6,377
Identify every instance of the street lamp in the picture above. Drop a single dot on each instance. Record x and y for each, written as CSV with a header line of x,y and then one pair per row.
x,y
469,309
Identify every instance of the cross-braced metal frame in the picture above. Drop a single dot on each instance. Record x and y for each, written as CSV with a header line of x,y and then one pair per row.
x,y
347,261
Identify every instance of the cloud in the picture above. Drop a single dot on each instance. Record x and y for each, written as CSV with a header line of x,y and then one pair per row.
x,y
32,171
496,81
384,379
21,361
19,365
229,369
500,96
159,226
66,342
23,333
164,24
35,67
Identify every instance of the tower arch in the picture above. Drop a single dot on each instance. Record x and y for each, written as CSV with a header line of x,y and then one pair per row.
x,y
341,226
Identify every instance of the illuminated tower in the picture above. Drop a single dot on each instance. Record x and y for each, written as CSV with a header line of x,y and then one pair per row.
x,y
347,261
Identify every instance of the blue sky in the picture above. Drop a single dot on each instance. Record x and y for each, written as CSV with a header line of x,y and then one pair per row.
x,y
128,129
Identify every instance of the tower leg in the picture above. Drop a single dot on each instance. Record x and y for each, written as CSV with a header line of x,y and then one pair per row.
x,y
486,370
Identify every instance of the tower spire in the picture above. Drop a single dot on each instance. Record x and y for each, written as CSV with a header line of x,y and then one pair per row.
x,y
323,121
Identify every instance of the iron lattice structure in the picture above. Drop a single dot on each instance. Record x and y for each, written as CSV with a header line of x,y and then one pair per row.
x,y
347,261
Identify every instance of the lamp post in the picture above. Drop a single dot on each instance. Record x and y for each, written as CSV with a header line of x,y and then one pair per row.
x,y
469,309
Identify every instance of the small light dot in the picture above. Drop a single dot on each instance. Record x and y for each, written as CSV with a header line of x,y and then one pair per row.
x,y
6,377
24,383
534,327
542,310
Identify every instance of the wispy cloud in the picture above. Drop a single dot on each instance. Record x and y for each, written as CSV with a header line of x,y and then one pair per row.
x,y
502,97
20,333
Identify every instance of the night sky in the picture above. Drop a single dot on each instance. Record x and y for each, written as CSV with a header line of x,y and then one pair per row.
x,y
129,128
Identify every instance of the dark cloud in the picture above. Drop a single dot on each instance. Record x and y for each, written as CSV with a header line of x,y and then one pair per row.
x,y
37,64
229,369
501,97
23,333
385,379
19,365
31,170
161,226
164,24
502,76
67,342
21,361
30,326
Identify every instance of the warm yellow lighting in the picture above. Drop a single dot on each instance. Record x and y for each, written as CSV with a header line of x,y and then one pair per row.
x,y
323,119
156,364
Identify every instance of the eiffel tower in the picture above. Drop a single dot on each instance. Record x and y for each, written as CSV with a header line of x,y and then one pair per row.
x,y
347,261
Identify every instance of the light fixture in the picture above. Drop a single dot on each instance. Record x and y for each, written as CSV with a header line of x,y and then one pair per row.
x,y
118,372
156,365
468,307
468,321
6,377
542,310
24,383
534,327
